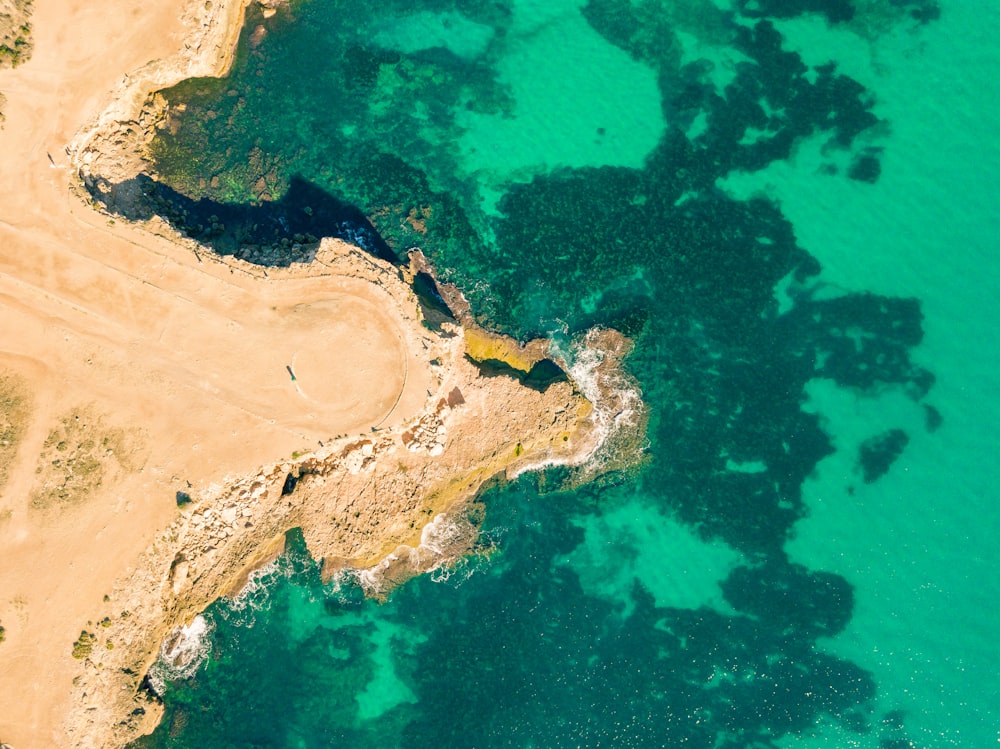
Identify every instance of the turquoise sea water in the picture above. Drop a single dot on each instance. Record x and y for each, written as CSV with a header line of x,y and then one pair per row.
x,y
805,255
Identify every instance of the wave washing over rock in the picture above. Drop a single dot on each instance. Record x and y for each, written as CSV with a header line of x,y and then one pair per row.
x,y
181,653
619,416
443,540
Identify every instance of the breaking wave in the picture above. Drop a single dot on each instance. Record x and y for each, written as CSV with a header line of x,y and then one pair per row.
x,y
444,544
619,416
242,609
181,653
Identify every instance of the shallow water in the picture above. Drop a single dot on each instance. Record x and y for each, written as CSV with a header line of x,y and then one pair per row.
x,y
805,257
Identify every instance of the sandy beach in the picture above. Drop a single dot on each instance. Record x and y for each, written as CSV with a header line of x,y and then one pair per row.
x,y
142,369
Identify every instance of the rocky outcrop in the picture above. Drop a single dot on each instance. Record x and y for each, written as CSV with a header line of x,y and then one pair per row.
x,y
386,505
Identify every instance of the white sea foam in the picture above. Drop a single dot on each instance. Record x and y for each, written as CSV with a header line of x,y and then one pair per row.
x,y
458,570
258,582
242,608
441,533
371,579
617,401
443,542
340,584
448,540
181,652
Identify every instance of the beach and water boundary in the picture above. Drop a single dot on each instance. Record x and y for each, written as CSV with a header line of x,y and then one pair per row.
x,y
655,535
855,212
136,342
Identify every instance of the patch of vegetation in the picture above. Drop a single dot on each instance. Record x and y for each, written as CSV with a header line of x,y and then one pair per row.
x,y
84,645
75,458
3,633
15,32
14,412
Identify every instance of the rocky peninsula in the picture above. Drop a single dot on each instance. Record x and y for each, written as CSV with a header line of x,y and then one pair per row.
x,y
169,414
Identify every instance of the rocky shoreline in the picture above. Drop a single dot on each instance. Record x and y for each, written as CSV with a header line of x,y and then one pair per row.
x,y
362,502
113,143
365,502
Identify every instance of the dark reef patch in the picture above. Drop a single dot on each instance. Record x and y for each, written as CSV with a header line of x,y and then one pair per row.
x,y
836,11
932,418
866,167
877,454
793,600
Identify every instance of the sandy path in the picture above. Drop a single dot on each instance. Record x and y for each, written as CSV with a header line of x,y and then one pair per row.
x,y
189,358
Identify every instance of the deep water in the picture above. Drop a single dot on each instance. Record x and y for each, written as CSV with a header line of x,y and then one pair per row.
x,y
788,205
